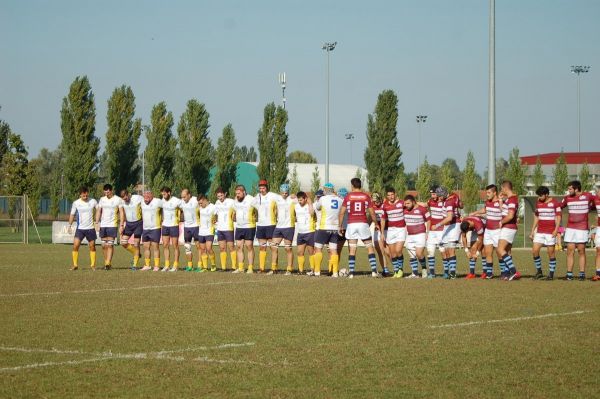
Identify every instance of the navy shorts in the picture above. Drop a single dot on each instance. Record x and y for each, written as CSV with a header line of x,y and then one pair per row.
x,y
306,239
287,233
133,229
189,233
151,235
205,239
327,236
89,235
265,232
341,239
225,236
245,234
108,232
170,231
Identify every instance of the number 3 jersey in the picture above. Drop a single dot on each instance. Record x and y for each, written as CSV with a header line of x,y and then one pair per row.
x,y
330,206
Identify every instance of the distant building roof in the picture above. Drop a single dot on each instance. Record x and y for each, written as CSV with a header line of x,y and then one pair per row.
x,y
571,158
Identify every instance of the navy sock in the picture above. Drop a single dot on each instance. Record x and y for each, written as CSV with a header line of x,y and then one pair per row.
x,y
489,266
472,265
538,263
552,265
431,262
414,265
351,263
373,263
452,264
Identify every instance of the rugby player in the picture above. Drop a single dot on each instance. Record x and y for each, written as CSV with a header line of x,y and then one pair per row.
x,y
84,208
110,217
546,221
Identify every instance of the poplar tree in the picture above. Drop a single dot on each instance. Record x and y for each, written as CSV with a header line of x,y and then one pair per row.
x,y
538,177
382,155
424,181
470,184
279,166
294,182
315,183
195,152
79,144
585,178
516,173
265,142
226,163
560,175
122,139
160,151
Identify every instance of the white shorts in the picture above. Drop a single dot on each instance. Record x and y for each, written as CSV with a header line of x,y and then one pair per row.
x,y
597,239
545,239
395,235
451,235
575,236
434,238
414,241
358,231
508,235
491,237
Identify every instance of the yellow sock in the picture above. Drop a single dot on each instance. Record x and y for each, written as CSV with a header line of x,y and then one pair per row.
x,y
318,260
335,263
199,264
136,259
330,263
176,264
156,262
147,262
233,256
262,260
167,263
274,266
250,267
301,263
131,249
223,258
213,260
75,256
289,268
241,266
204,261
190,263
93,258
311,261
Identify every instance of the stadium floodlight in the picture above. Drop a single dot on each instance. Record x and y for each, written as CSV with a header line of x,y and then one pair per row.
x,y
420,120
492,96
328,47
350,137
578,70
282,82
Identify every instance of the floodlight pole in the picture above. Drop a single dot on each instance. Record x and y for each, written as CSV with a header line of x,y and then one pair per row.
x,y
350,137
492,96
420,120
328,47
282,82
578,70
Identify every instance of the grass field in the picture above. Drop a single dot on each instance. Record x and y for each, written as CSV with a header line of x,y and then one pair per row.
x,y
172,335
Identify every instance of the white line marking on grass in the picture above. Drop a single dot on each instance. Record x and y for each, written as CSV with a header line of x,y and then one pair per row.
x,y
542,316
205,359
145,287
48,364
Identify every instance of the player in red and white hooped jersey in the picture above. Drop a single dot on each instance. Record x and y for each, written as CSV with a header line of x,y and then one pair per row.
x,y
476,226
358,205
576,236
508,231
546,222
393,223
596,238
416,217
382,251
492,212
434,237
451,235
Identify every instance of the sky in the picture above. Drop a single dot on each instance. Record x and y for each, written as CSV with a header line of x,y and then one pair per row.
x,y
227,54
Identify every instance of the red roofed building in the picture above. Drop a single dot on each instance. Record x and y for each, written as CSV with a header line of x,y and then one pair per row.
x,y
574,161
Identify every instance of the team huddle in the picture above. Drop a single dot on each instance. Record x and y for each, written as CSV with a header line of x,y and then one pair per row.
x,y
385,227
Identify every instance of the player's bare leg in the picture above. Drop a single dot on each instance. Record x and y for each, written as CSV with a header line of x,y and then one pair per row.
x,y
166,253
248,244
211,255
275,254
287,245
300,250
263,244
175,244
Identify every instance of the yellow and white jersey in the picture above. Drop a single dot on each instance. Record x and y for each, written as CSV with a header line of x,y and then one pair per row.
x,y
224,211
171,209
305,220
84,212
191,212
109,208
207,215
245,213
329,205
152,214
133,208
286,212
266,205
318,217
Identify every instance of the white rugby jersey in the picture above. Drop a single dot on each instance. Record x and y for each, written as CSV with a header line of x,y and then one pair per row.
x,y
109,216
244,213
133,209
224,210
171,209
329,205
286,212
84,213
207,227
152,214
191,213
305,221
266,206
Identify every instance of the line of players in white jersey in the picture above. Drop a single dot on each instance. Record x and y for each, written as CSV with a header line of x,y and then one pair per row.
x,y
327,223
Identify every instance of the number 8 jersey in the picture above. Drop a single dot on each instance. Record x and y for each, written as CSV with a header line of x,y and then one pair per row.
x,y
356,204
329,205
